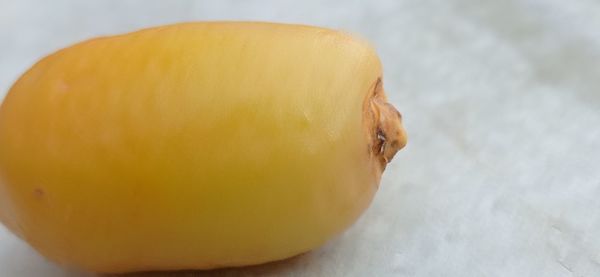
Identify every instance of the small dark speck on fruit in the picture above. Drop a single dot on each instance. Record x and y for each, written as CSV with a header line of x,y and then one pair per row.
x,y
39,192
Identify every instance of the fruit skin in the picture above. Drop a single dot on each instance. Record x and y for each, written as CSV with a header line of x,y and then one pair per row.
x,y
190,146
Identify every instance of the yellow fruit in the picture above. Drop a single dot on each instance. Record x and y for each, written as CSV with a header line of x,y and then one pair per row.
x,y
194,146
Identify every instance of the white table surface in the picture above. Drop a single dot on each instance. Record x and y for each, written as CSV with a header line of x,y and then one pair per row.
x,y
501,100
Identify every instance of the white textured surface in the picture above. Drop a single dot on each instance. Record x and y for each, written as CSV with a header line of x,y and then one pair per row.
x,y
501,100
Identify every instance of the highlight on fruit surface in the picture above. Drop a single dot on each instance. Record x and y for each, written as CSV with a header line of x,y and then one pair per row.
x,y
194,146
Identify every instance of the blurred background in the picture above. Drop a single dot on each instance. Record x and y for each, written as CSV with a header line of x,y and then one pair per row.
x,y
501,100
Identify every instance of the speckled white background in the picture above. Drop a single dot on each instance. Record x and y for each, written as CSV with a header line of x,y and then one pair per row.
x,y
501,99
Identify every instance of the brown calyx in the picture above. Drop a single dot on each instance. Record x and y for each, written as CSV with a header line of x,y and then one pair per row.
x,y
384,123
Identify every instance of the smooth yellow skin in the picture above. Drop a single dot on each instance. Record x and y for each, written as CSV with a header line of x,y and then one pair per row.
x,y
189,146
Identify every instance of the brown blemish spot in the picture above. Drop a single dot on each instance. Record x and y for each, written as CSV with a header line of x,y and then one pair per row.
x,y
39,192
384,124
